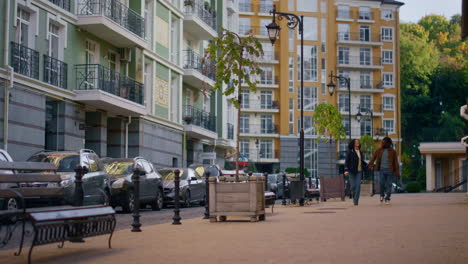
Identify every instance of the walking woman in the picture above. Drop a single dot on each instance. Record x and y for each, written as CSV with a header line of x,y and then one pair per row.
x,y
386,161
354,167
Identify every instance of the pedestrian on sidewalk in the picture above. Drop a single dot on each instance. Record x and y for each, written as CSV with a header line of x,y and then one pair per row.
x,y
386,161
354,168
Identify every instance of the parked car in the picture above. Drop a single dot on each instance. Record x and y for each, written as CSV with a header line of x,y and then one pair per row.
x,y
96,186
123,188
214,170
275,183
397,188
192,186
10,203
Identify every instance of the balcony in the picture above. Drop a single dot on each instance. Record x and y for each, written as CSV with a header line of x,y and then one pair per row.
x,y
260,155
355,108
112,21
361,62
199,21
358,38
24,60
259,130
271,107
363,86
64,4
106,89
198,123
265,81
258,32
55,72
196,72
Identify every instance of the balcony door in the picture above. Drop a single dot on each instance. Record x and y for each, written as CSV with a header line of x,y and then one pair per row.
x,y
343,32
365,80
343,55
52,65
365,102
266,149
266,122
365,56
92,69
266,99
364,33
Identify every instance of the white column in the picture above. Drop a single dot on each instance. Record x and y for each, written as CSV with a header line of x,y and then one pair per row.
x,y
429,169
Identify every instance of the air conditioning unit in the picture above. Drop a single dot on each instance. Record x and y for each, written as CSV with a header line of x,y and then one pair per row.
x,y
125,54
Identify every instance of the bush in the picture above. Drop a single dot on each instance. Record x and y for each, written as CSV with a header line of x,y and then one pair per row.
x,y
413,187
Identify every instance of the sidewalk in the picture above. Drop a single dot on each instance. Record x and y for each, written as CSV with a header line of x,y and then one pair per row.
x,y
415,228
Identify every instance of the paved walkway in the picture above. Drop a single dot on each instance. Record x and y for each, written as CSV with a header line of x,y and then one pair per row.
x,y
415,228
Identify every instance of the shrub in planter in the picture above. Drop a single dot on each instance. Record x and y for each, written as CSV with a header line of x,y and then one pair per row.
x,y
413,187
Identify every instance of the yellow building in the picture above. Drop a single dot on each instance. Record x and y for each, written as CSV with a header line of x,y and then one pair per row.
x,y
353,38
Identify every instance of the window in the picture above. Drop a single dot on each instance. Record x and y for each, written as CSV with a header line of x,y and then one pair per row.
x,y
268,51
175,41
244,25
388,126
323,34
310,64
149,20
342,82
366,126
343,11
53,40
323,6
266,6
365,102
365,80
244,148
22,27
244,124
266,149
365,56
309,129
311,156
307,5
345,122
266,100
343,55
291,74
387,14
387,57
343,32
91,57
266,77
291,5
244,6
387,79
364,13
387,34
364,33
343,102
263,29
266,122
291,116
388,103
245,99
310,98
310,31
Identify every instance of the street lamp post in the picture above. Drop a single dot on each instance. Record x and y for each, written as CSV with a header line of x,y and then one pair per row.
x,y
293,21
331,88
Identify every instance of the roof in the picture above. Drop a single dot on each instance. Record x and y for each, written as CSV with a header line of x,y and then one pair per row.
x,y
442,147
389,2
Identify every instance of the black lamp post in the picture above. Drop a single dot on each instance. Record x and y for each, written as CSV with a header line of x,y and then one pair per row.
x,y
331,88
293,21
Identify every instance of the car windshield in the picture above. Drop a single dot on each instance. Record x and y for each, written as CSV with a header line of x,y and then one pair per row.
x,y
119,167
63,162
170,175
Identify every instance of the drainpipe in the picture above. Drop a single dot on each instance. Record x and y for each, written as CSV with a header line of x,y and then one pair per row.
x,y
6,100
126,135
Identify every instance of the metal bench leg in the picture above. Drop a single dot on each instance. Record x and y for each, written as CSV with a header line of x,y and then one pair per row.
x,y
32,246
110,238
61,244
22,238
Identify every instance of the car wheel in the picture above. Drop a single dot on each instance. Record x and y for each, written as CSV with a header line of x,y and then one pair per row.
x,y
12,204
186,200
129,203
157,204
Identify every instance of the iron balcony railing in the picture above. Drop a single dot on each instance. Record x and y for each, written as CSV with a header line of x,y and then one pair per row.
x,y
24,60
272,105
198,117
363,108
258,129
115,11
363,60
260,153
358,36
230,131
364,84
64,4
55,72
194,61
265,79
198,9
98,77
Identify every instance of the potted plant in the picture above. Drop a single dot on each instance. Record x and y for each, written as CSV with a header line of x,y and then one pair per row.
x,y
189,3
188,119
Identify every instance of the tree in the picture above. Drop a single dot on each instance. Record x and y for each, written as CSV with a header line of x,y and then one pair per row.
x,y
234,59
367,145
434,24
327,124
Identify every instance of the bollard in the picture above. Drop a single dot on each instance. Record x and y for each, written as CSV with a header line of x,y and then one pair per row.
x,y
176,217
265,174
207,195
79,193
136,201
284,189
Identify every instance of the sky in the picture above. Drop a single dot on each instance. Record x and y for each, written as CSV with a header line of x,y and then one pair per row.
x,y
413,10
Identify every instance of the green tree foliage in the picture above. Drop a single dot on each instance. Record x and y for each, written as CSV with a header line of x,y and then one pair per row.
x,y
327,123
434,24
367,145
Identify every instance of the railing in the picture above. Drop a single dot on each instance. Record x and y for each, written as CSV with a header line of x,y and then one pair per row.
x,y
198,9
256,154
258,106
198,117
98,77
230,131
359,61
115,11
264,81
375,108
64,4
194,61
254,30
355,85
358,36
259,129
24,60
55,72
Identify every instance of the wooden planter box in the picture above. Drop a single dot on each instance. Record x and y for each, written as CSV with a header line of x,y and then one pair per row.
x,y
230,198
366,189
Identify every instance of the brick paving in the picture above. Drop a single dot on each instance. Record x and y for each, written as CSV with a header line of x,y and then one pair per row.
x,y
415,228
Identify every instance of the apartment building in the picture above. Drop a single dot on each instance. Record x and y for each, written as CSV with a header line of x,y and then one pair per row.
x,y
353,38
112,76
